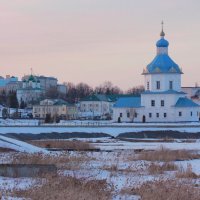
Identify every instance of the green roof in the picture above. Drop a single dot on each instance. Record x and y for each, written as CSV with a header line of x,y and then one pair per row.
x,y
61,102
103,97
31,78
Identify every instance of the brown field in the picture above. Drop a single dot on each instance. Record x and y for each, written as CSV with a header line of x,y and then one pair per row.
x,y
68,188
186,173
160,169
165,190
61,160
62,144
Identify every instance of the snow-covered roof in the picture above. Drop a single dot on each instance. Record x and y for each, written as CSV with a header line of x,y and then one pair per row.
x,y
128,102
185,102
164,92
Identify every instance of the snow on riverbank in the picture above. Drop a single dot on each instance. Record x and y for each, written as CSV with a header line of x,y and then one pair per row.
x,y
17,145
122,145
113,131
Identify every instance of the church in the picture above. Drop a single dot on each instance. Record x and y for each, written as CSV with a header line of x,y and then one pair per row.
x,y
31,91
163,100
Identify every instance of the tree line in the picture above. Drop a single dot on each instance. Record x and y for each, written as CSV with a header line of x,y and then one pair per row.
x,y
75,92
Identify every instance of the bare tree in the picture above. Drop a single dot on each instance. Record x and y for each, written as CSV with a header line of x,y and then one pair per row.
x,y
108,88
132,114
137,90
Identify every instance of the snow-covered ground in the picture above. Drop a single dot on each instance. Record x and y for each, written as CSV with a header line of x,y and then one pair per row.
x,y
93,123
122,145
19,122
116,166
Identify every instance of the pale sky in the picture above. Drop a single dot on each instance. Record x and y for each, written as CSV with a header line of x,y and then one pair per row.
x,y
94,41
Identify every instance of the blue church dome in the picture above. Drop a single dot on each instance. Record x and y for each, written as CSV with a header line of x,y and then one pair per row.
x,y
162,43
162,63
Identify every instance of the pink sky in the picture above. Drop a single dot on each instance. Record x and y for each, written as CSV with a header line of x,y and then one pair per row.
x,y
94,41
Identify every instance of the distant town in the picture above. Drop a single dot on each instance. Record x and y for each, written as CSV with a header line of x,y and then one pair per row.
x,y
42,97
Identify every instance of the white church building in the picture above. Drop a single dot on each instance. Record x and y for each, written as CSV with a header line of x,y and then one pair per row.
x,y
163,100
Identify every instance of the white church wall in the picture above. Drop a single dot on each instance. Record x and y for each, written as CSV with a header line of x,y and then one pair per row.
x,y
166,113
164,81
187,114
169,100
122,113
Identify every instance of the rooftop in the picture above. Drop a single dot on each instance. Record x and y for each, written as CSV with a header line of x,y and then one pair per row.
x,y
128,102
164,92
185,102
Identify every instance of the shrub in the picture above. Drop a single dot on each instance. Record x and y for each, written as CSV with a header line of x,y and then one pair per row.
x,y
165,189
167,155
159,169
186,173
67,188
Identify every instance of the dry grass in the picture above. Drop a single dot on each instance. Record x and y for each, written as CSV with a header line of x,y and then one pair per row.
x,y
62,144
68,188
5,150
129,169
165,190
188,140
167,155
112,168
61,160
160,169
168,139
186,173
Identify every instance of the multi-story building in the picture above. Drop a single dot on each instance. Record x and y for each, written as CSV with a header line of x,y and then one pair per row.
x,y
8,80
95,106
45,81
54,108
13,86
31,91
62,89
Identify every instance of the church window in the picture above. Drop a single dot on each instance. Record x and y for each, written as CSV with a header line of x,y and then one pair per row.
x,y
136,115
171,85
162,103
152,102
148,85
165,114
128,115
158,85
191,113
180,114
120,115
157,114
150,115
